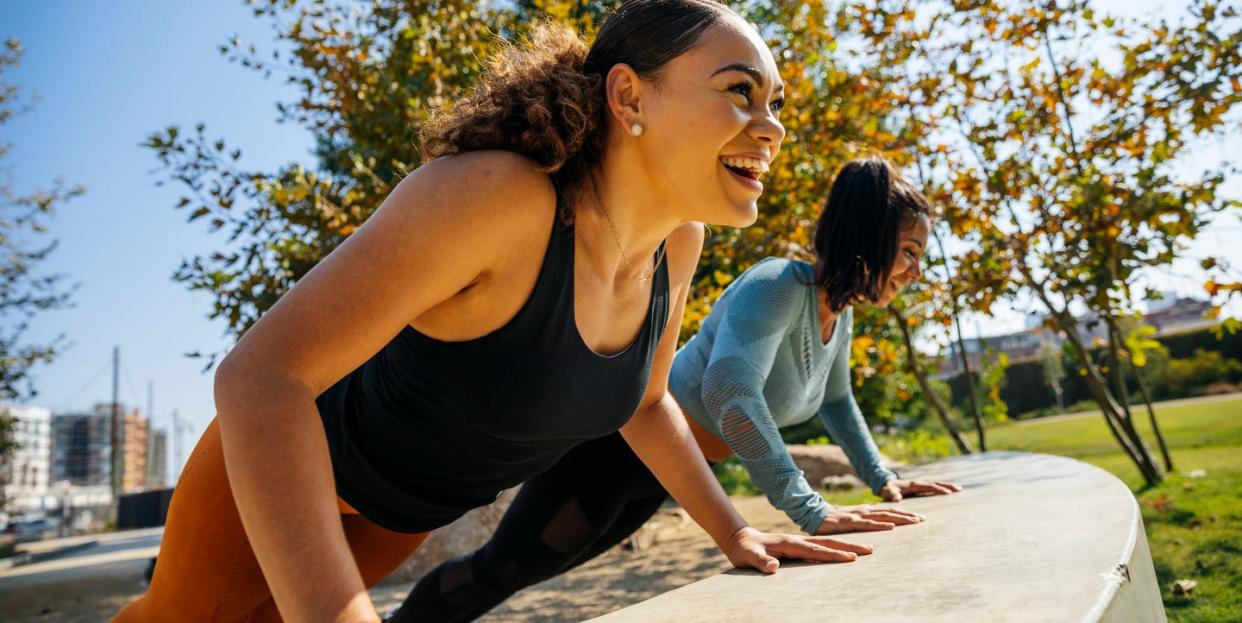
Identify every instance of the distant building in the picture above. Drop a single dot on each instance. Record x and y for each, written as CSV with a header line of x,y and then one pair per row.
x,y
136,452
1179,315
25,472
1171,315
82,447
157,466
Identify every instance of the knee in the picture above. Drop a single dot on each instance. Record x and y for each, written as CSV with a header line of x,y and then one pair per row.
x,y
503,576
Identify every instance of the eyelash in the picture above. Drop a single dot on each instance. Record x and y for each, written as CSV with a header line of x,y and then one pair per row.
x,y
744,89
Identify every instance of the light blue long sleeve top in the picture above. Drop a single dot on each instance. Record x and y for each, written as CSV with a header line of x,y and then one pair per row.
x,y
758,364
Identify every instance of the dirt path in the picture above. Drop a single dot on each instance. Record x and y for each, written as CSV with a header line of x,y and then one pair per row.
x,y
682,554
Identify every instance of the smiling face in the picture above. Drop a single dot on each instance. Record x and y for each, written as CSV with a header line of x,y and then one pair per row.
x,y
710,126
907,265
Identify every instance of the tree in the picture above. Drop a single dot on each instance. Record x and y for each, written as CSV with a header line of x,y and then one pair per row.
x,y
369,78
1074,157
929,394
24,291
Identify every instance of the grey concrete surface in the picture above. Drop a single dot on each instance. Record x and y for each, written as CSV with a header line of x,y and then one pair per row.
x,y
1030,538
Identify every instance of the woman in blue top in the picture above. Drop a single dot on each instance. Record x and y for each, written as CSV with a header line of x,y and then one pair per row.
x,y
773,352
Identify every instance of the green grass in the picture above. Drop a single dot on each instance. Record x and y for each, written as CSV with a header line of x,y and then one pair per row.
x,y
1187,428
1194,525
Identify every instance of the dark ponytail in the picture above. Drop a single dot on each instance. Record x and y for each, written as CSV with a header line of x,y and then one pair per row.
x,y
544,98
858,231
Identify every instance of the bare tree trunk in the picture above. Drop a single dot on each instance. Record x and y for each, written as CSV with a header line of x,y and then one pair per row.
x,y
971,396
1126,436
1121,427
1114,355
1115,345
1143,389
938,406
1151,414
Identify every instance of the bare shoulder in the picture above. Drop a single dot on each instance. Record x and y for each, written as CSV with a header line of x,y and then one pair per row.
x,y
498,188
685,245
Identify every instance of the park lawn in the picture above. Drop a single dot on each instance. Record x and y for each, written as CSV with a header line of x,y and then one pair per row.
x,y
1194,524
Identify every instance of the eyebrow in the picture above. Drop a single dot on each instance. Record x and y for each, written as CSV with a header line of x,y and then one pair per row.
x,y
749,70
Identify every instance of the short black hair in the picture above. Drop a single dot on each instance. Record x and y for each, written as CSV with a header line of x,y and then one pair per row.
x,y
857,233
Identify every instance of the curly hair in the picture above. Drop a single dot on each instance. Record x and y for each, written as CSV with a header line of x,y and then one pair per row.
x,y
544,97
533,100
858,231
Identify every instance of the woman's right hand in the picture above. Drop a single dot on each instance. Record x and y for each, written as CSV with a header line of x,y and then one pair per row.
x,y
749,547
866,518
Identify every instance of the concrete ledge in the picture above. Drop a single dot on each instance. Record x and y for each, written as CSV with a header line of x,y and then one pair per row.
x,y
1031,538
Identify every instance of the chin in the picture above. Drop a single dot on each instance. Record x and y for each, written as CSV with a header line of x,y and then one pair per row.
x,y
733,217
743,215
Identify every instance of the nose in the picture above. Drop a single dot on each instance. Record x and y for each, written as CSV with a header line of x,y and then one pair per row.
x,y
768,130
916,270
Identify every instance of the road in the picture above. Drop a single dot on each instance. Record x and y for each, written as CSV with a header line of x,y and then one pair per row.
x,y
83,585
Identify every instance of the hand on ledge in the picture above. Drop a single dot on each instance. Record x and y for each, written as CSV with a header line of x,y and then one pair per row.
x,y
896,489
749,547
866,518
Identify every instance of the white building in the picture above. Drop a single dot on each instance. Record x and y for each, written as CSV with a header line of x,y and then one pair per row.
x,y
25,471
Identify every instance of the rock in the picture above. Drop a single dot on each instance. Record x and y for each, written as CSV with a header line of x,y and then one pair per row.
x,y
1184,587
847,482
821,461
461,537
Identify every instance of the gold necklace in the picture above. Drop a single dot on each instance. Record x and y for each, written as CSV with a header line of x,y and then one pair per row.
x,y
617,239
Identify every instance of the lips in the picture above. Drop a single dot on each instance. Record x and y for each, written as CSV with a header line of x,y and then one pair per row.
x,y
745,166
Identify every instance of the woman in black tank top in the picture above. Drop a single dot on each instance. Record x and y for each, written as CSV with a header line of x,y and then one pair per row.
x,y
518,294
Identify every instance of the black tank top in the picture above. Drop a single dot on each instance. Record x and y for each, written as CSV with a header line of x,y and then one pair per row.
x,y
426,430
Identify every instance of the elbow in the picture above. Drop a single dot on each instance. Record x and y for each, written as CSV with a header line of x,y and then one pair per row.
x,y
225,384
235,390
240,388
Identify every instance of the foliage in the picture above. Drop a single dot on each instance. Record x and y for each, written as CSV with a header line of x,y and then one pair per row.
x,y
369,76
1204,368
368,79
1053,169
917,445
1069,159
992,381
24,291
734,478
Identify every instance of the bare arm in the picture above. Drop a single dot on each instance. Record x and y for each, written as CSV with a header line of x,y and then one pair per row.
x,y
659,435
432,237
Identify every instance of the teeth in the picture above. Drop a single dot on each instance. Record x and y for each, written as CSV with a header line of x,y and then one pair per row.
x,y
753,164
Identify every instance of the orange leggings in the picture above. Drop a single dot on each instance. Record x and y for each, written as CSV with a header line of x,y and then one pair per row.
x,y
206,569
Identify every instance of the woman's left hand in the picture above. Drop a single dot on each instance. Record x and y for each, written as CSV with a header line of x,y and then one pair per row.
x,y
896,489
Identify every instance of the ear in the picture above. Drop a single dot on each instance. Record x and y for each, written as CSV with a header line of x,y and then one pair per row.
x,y
624,91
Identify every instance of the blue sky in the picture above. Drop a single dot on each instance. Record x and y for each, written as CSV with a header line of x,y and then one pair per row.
x,y
110,74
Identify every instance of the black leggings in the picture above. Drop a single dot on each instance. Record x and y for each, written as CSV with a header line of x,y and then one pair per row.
x,y
595,496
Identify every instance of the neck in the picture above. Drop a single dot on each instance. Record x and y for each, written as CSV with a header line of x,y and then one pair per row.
x,y
639,222
827,318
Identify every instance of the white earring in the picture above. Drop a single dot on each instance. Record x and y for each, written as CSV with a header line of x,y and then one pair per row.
x,y
636,129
